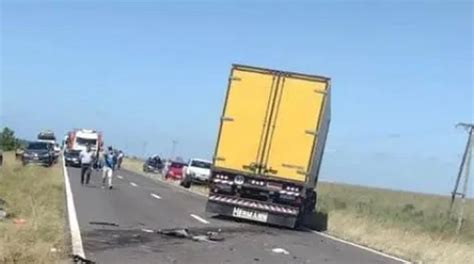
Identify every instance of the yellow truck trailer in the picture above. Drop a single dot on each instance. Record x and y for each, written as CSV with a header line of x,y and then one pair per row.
x,y
270,145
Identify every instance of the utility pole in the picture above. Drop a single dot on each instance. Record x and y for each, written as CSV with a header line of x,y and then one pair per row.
x,y
173,149
463,168
144,149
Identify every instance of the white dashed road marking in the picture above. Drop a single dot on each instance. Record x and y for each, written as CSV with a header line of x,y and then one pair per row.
x,y
200,219
120,177
155,196
133,184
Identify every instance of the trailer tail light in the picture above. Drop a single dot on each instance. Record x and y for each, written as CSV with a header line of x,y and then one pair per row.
x,y
224,179
257,182
291,190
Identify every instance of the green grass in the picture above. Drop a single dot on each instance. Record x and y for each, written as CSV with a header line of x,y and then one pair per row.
x,y
36,195
409,211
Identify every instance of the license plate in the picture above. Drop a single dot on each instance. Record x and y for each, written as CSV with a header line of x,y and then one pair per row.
x,y
249,214
35,158
275,185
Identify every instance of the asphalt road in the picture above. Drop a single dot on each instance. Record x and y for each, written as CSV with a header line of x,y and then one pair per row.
x,y
116,227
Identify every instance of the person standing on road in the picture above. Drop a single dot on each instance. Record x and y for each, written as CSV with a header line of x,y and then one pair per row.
x,y
119,159
108,167
87,158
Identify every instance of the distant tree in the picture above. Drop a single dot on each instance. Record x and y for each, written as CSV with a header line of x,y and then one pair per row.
x,y
8,140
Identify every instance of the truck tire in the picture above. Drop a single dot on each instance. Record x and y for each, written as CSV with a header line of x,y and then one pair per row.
x,y
300,218
306,209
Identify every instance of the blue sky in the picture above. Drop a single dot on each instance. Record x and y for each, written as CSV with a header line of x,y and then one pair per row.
x,y
157,71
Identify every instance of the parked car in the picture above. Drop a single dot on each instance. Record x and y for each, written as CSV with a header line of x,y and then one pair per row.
x,y
71,158
175,170
19,152
198,170
153,164
38,153
1,157
57,149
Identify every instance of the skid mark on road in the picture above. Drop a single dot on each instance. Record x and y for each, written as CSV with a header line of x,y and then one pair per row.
x,y
155,196
133,184
200,219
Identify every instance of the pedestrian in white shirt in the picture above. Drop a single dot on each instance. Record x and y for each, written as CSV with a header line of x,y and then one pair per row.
x,y
87,158
108,165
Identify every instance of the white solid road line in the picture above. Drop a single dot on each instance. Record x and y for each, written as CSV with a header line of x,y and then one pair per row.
x,y
156,196
200,219
120,177
76,239
359,246
133,184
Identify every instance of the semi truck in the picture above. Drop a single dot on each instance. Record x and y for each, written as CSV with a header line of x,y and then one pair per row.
x,y
270,145
79,139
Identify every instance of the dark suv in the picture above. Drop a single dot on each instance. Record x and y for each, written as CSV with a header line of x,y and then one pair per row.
x,y
72,158
153,164
38,153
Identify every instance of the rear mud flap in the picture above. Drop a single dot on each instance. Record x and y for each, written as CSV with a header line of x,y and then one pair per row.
x,y
251,214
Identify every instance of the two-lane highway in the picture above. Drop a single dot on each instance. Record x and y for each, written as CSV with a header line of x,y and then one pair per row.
x,y
119,226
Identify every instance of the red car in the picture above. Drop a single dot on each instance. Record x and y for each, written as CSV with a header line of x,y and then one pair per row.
x,y
175,170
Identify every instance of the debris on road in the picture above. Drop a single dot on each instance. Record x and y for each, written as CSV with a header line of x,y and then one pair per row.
x,y
210,236
81,260
215,236
201,238
103,223
176,232
280,251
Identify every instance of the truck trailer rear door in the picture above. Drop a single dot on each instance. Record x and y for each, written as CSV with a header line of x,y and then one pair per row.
x,y
295,126
243,123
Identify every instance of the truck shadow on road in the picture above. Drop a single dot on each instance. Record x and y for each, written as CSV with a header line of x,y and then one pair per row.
x,y
317,221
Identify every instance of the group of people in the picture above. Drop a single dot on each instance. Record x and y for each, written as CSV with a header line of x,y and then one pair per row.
x,y
107,160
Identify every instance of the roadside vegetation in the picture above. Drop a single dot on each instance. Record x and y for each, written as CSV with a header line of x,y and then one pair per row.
x,y
409,225
33,198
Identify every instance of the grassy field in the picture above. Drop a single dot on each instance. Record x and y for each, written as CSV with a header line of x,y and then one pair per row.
x,y
35,195
415,226
409,225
